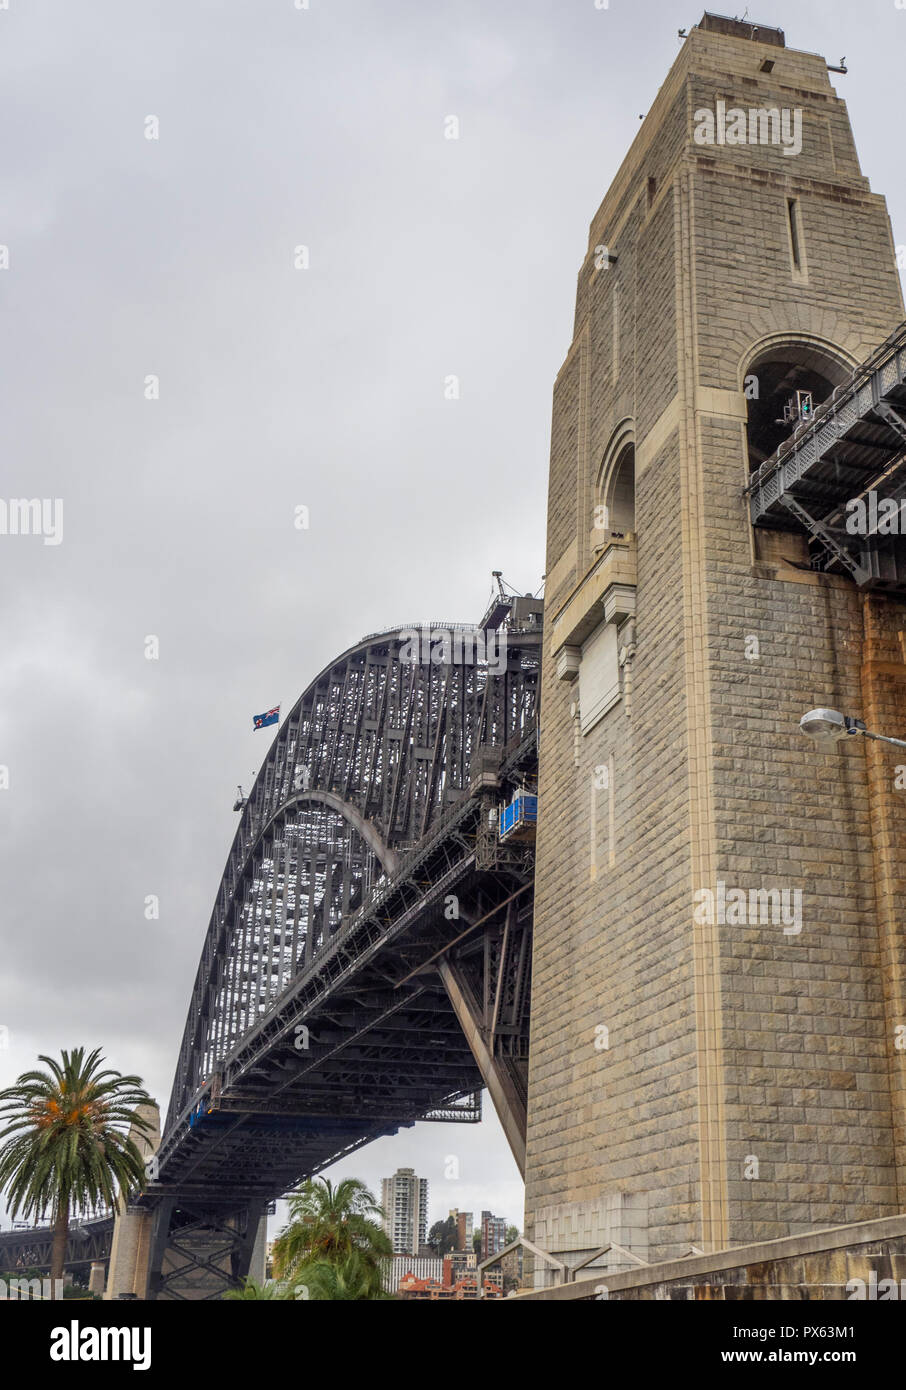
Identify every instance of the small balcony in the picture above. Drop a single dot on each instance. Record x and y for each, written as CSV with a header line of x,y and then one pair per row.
x,y
604,594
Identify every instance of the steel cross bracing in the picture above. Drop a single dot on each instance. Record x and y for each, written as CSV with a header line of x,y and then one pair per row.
x,y
301,1043
201,1248
854,444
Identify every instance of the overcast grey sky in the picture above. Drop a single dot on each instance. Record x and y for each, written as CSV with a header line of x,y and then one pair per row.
x,y
279,387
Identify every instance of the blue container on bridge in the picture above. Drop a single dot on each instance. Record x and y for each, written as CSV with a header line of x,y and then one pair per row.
x,y
517,821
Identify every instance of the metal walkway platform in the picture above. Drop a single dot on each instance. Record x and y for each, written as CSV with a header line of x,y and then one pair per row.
x,y
853,445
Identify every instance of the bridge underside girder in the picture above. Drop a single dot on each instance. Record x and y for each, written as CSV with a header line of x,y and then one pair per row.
x,y
295,1111
367,1040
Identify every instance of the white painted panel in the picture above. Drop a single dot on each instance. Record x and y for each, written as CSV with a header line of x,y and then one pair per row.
x,y
599,675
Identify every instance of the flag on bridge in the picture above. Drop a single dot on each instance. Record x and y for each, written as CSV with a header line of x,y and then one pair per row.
x,y
261,721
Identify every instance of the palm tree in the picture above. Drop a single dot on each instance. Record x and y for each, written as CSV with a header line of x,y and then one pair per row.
x,y
351,1278
67,1143
336,1226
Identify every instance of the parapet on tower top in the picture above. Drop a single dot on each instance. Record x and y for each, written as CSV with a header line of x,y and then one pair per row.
x,y
742,29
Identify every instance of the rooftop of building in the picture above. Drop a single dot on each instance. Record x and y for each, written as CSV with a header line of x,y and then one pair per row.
x,y
742,29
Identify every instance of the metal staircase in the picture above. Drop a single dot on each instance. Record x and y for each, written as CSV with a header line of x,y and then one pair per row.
x,y
851,450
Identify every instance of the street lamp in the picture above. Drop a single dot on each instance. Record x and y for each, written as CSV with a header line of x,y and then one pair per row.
x,y
827,725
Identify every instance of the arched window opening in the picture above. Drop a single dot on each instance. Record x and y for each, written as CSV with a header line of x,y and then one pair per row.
x,y
785,385
782,387
616,507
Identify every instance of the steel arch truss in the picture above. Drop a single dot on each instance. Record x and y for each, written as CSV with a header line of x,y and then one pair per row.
x,y
363,815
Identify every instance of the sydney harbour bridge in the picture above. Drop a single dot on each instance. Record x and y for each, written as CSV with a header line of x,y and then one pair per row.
x,y
367,960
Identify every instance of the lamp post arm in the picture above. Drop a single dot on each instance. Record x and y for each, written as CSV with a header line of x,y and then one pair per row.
x,y
883,738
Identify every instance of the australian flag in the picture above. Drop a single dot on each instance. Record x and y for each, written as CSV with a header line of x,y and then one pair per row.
x,y
261,721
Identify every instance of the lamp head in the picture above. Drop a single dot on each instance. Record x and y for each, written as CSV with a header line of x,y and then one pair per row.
x,y
824,724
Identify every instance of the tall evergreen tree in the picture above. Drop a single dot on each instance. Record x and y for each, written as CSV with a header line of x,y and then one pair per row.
x,y
65,1146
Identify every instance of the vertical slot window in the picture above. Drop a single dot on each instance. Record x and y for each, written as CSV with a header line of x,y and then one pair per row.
x,y
797,245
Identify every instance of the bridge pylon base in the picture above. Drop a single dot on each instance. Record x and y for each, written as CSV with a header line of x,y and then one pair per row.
x,y
129,1252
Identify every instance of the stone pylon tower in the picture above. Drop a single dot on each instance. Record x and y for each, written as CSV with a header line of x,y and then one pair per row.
x,y
701,1074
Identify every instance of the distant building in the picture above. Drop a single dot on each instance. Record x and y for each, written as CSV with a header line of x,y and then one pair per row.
x,y
404,1198
403,1269
458,1264
464,1225
413,1287
493,1234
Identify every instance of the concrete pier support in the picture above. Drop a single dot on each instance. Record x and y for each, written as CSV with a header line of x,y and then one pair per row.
x,y
129,1255
258,1262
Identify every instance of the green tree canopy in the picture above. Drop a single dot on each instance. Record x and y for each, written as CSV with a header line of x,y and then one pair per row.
x,y
442,1236
350,1279
66,1145
335,1227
